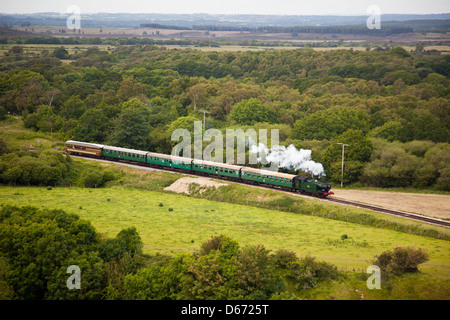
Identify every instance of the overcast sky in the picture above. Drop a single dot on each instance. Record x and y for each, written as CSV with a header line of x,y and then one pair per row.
x,y
295,7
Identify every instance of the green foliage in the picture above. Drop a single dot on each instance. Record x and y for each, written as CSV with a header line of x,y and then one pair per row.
x,y
248,112
282,258
93,126
44,120
328,124
390,131
131,128
50,241
45,168
186,123
417,163
3,146
355,156
127,241
135,96
400,52
60,53
219,270
3,113
401,260
307,273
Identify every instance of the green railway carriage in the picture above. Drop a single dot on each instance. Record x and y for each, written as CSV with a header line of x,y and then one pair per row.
x,y
300,184
221,169
124,154
169,161
268,177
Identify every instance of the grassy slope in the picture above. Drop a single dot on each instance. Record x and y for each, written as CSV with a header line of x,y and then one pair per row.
x,y
193,221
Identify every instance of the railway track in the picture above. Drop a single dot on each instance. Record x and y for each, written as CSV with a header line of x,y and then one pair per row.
x,y
407,215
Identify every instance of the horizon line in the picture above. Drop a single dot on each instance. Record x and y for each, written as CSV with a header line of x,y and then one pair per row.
x,y
231,14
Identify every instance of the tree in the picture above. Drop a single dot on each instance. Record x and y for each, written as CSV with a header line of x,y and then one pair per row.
x,y
181,123
132,129
127,241
399,52
250,111
3,146
328,124
390,131
50,241
74,107
61,53
93,126
356,155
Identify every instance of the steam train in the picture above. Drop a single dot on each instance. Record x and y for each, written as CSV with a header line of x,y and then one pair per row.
x,y
301,184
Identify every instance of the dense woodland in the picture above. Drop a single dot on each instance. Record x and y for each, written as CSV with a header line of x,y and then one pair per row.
x,y
391,105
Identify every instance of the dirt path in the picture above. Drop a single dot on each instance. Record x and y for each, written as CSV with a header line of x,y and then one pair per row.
x,y
182,184
432,205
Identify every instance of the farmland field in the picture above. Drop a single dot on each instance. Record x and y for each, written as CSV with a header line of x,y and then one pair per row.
x,y
433,205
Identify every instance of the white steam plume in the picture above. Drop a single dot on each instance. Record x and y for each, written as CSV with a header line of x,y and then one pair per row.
x,y
289,158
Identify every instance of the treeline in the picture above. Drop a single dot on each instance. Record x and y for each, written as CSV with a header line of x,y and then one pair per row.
x,y
351,29
116,268
135,96
106,41
162,26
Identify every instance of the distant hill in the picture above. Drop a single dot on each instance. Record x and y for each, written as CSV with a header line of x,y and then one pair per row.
x,y
131,20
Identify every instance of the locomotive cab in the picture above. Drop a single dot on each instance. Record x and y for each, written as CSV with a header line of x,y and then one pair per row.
x,y
310,186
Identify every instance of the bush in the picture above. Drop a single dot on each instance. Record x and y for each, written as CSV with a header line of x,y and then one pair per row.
x,y
52,241
401,260
91,178
282,258
307,272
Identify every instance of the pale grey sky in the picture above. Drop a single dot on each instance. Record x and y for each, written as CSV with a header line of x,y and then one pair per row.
x,y
294,7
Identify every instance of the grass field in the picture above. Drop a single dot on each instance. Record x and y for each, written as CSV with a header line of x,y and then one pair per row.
x,y
193,221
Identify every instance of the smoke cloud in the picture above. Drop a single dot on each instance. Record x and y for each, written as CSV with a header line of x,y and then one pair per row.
x,y
288,157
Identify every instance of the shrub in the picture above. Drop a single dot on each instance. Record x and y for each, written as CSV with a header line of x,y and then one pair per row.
x,y
282,258
307,272
90,178
401,260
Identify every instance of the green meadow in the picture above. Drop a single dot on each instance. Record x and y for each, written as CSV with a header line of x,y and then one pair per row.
x,y
174,224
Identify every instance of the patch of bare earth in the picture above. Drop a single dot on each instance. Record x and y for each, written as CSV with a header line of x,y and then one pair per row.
x,y
432,205
182,184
